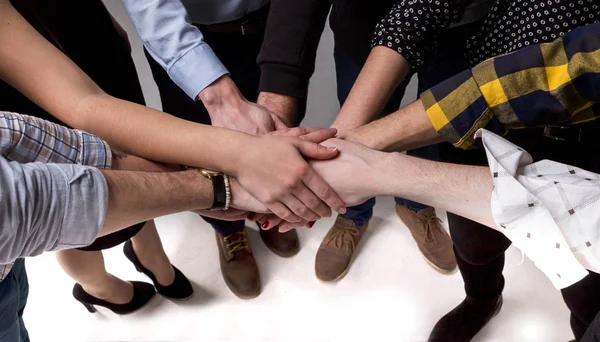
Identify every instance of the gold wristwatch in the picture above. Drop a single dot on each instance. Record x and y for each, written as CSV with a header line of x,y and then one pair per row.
x,y
221,189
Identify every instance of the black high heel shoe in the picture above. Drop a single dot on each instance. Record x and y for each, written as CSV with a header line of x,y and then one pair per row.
x,y
142,294
179,289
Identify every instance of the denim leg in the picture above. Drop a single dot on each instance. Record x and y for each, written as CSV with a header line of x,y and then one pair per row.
x,y
13,297
362,213
225,227
346,73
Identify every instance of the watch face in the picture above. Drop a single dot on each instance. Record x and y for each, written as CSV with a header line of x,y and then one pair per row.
x,y
210,173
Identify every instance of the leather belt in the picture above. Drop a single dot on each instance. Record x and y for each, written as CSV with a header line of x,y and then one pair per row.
x,y
253,23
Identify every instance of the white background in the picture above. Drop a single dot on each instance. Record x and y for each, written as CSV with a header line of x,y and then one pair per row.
x,y
390,293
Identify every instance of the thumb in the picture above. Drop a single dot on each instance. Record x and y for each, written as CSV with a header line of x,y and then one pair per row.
x,y
315,151
319,135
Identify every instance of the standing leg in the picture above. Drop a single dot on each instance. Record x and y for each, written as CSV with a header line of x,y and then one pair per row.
x,y
480,256
335,254
149,250
584,308
145,251
14,290
87,269
238,53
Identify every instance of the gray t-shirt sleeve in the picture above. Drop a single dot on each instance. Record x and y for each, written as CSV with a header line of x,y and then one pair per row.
x,y
46,207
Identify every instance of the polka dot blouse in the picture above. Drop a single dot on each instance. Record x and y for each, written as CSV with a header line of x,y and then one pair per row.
x,y
413,26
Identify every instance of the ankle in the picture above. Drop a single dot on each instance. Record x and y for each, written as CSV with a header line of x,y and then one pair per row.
x,y
116,291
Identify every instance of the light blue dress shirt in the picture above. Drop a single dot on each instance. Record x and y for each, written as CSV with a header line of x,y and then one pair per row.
x,y
165,27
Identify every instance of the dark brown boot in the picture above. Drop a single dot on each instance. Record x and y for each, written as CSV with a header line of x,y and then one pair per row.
x,y
336,250
431,237
283,244
238,266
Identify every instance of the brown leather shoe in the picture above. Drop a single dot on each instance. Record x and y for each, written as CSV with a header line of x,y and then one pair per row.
x,y
238,266
433,240
335,253
283,244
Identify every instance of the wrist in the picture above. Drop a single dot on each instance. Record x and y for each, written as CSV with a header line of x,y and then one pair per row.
x,y
202,187
388,168
284,106
220,93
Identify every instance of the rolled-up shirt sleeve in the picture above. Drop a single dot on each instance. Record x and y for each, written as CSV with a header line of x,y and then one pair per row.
x,y
47,207
177,45
412,27
555,83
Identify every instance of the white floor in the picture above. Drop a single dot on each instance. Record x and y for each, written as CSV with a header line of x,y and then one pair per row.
x,y
390,293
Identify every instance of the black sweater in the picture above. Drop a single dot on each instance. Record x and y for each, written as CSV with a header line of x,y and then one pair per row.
x,y
287,58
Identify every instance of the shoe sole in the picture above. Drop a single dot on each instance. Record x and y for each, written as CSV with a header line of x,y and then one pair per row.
x,y
177,299
243,296
280,254
342,275
437,268
136,310
434,266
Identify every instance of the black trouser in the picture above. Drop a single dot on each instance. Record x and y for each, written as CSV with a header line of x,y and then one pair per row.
x,y
84,31
480,250
238,53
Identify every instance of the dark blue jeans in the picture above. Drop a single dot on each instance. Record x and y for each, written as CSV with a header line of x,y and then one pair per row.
x,y
346,72
13,297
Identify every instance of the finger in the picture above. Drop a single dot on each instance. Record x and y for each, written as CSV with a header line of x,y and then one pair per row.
x,y
287,226
283,212
313,202
278,123
293,132
320,188
298,207
270,222
315,151
320,135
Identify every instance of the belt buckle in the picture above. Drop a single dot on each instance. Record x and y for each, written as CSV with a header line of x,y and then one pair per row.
x,y
247,25
548,133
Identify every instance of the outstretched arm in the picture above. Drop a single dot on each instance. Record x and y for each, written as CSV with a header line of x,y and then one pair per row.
x,y
271,168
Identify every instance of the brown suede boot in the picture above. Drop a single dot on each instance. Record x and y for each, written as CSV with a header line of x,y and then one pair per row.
x,y
432,239
283,244
238,266
336,251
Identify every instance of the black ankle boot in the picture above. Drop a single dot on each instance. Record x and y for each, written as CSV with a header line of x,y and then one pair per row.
x,y
179,289
466,320
142,294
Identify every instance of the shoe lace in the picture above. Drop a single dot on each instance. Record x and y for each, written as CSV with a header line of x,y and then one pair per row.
x,y
236,242
430,222
343,237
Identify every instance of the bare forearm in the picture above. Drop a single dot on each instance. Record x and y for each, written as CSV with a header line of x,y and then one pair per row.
x,y
460,189
139,196
51,80
380,76
402,130
284,106
151,134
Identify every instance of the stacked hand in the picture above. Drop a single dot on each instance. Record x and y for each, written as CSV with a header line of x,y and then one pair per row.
x,y
272,166
356,175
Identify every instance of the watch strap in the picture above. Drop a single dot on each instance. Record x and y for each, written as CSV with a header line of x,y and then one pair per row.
x,y
220,190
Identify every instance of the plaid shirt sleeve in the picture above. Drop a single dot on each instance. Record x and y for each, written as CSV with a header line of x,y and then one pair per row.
x,y
28,139
556,83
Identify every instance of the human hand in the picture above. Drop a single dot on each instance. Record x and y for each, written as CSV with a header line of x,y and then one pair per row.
x,y
284,106
357,174
229,109
274,171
